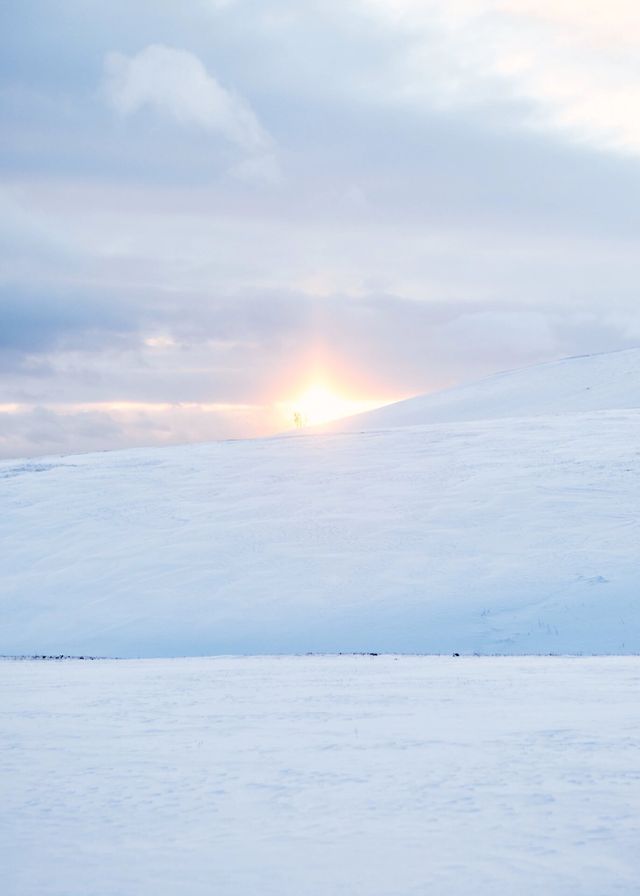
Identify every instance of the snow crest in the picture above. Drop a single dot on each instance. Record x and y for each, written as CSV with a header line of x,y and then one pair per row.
x,y
512,534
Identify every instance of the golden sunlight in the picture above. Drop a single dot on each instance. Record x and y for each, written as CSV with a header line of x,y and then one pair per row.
x,y
319,404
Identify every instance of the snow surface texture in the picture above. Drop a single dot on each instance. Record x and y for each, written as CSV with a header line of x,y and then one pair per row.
x,y
512,535
584,383
308,776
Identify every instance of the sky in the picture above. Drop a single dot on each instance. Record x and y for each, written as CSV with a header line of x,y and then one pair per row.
x,y
208,208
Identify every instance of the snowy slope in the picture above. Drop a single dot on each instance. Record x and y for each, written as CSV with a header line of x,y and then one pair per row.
x,y
586,383
519,535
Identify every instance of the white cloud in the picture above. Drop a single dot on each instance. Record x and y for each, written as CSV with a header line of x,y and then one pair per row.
x,y
517,335
176,83
577,60
264,168
35,429
218,4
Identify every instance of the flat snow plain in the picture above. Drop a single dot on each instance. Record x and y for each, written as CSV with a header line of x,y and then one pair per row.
x,y
308,776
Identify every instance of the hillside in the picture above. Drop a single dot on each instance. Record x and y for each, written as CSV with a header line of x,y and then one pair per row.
x,y
500,535
585,383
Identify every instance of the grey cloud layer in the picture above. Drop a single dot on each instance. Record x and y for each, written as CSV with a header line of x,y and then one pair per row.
x,y
34,322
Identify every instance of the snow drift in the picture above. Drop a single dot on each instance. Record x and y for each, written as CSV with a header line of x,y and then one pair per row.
x,y
515,532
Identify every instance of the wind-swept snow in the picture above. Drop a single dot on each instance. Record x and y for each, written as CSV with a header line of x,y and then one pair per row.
x,y
510,536
320,776
586,383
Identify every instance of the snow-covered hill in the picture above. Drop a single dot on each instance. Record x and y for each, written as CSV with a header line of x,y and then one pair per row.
x,y
585,383
499,535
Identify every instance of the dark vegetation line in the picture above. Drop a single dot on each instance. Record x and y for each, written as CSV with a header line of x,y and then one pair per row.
x,y
43,656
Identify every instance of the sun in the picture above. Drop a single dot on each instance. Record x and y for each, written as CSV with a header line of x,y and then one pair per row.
x,y
319,404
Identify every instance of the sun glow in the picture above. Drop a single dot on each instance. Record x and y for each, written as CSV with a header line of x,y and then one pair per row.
x,y
319,404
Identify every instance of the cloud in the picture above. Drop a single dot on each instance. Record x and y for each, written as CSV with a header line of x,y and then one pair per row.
x,y
30,431
40,430
512,335
576,61
176,83
264,168
38,321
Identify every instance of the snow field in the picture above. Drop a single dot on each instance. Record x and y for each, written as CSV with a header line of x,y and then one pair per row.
x,y
303,776
503,536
